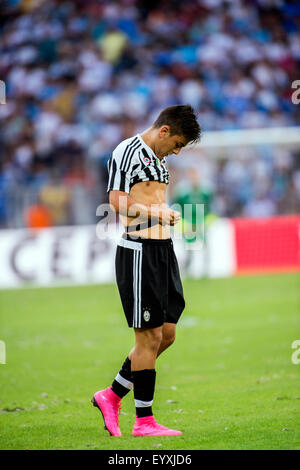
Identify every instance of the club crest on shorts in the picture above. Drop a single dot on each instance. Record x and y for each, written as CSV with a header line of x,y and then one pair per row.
x,y
146,315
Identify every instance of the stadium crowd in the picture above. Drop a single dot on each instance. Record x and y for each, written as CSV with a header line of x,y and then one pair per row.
x,y
83,75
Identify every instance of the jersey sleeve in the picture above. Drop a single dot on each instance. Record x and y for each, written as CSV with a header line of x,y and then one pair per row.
x,y
118,175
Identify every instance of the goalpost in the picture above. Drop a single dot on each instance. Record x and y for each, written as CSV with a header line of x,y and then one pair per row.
x,y
232,138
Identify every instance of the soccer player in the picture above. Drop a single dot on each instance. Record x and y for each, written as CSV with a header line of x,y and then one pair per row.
x,y
146,266
191,193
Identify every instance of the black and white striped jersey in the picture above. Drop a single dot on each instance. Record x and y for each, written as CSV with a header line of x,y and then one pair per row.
x,y
133,161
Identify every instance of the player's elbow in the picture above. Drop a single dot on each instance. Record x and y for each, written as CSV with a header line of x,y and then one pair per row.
x,y
117,199
113,200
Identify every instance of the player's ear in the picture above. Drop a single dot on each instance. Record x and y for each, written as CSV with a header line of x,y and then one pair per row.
x,y
164,131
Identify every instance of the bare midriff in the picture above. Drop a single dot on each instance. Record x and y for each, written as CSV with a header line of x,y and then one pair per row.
x,y
148,193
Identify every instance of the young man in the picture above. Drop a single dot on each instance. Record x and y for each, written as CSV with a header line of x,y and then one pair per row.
x,y
146,267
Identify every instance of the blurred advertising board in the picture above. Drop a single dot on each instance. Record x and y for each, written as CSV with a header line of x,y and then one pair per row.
x,y
77,255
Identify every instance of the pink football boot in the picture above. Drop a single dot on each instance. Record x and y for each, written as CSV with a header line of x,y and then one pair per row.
x,y
149,427
110,406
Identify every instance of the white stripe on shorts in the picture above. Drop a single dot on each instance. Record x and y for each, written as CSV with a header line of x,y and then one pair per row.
x,y
137,286
139,289
130,244
137,279
134,324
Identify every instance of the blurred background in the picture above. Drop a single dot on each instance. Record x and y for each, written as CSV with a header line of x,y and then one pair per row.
x,y
83,75
80,76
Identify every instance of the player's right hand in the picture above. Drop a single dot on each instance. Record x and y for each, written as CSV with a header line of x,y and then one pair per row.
x,y
169,217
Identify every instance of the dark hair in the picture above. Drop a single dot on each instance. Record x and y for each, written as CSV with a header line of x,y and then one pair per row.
x,y
182,121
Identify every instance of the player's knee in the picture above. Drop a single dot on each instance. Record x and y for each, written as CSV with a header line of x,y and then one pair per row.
x,y
150,339
171,340
169,334
155,339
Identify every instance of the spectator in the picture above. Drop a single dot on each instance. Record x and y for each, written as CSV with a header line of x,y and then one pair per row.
x,y
56,198
233,61
38,216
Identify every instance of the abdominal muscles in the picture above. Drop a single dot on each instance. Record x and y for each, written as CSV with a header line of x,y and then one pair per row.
x,y
148,193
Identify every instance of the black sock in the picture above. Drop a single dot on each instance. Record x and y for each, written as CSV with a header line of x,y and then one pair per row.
x,y
123,381
143,387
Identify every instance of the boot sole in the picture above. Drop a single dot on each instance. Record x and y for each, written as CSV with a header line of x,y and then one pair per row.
x,y
95,404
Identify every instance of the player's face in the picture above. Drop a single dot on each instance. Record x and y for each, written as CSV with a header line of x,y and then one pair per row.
x,y
169,144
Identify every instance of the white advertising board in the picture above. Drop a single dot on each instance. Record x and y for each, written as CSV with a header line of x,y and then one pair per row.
x,y
76,255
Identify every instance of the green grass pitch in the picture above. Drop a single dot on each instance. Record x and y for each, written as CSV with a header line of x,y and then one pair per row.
x,y
228,381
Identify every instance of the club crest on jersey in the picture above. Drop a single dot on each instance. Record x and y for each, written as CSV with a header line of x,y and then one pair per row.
x,y
146,315
147,159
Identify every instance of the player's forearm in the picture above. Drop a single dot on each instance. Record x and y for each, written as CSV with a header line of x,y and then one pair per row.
x,y
125,205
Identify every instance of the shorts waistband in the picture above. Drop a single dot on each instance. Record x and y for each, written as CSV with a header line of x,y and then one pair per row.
x,y
148,241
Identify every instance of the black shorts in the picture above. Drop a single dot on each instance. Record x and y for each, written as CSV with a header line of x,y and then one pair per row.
x,y
148,281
